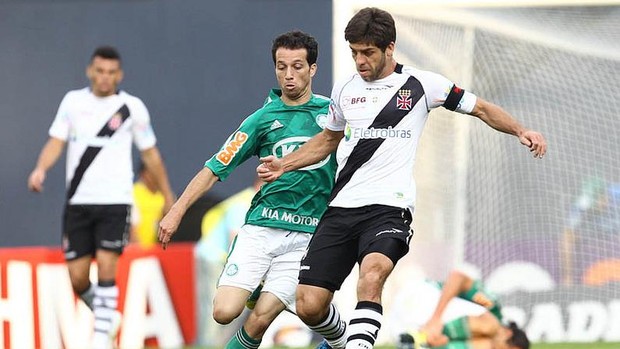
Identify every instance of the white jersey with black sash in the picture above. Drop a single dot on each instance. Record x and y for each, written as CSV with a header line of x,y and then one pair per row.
x,y
100,132
382,122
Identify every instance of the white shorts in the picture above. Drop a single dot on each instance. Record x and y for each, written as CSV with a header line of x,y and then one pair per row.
x,y
271,254
415,303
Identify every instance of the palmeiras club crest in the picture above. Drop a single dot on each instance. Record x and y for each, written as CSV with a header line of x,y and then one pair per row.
x,y
403,101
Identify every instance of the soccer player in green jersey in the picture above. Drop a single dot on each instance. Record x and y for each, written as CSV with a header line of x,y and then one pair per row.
x,y
456,314
284,214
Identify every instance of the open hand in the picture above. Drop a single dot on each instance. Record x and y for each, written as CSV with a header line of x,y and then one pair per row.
x,y
270,168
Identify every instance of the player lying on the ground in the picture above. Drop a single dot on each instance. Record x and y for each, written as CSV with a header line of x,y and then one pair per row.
x,y
457,314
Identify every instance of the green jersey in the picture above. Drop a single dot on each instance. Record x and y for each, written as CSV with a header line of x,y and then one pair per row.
x,y
298,199
481,296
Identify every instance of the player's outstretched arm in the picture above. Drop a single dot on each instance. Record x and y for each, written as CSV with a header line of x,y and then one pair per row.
x,y
197,187
47,158
456,283
154,163
496,117
315,150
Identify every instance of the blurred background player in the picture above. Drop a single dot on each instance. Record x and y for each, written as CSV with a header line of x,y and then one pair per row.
x,y
594,216
147,210
456,314
98,124
283,215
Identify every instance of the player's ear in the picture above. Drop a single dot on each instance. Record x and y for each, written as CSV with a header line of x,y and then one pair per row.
x,y
389,50
313,68
120,76
89,71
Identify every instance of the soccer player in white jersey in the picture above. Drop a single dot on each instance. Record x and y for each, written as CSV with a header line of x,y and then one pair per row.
x,y
98,124
283,215
375,121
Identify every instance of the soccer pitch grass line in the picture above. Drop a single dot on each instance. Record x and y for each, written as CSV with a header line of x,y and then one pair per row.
x,y
595,345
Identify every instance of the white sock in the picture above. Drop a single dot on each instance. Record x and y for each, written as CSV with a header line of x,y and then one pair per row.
x,y
105,303
364,325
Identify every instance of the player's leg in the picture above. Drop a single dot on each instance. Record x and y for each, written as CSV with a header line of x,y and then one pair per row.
x,y
321,315
250,335
228,303
383,241
278,290
246,265
111,235
79,269
78,246
331,256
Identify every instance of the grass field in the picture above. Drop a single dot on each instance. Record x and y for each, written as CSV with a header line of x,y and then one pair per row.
x,y
534,346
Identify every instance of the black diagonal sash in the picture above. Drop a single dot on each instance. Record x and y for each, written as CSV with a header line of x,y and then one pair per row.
x,y
91,152
390,115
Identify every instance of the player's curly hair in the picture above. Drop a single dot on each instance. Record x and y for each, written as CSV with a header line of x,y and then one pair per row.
x,y
294,40
519,338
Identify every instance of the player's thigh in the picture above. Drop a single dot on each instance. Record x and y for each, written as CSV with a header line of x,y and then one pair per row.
x,y
229,301
283,275
248,259
387,230
112,227
332,252
78,238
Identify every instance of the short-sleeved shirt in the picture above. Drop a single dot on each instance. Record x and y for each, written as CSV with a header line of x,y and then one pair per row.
x,y
382,122
297,200
481,296
99,132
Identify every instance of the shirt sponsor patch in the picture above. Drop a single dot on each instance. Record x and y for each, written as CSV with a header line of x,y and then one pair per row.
x,y
289,217
231,149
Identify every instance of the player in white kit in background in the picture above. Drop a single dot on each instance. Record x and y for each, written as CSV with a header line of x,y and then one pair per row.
x,y
99,124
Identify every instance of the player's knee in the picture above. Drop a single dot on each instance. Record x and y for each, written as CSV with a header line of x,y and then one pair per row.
x,y
225,312
79,284
309,308
225,315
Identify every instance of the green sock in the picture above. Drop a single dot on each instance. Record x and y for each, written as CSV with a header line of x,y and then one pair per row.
x,y
457,329
241,340
455,345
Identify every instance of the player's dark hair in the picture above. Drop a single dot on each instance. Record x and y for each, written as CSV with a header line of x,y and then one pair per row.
x,y
519,338
294,40
107,52
371,26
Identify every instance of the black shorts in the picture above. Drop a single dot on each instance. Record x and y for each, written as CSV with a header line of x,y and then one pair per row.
x,y
345,235
88,228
